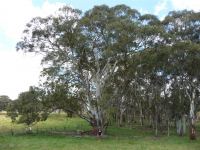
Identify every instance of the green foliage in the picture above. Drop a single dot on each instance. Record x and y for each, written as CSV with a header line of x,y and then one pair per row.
x,y
114,63
58,97
4,102
28,107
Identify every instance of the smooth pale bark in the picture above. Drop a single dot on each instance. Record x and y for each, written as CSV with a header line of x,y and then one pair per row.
x,y
192,121
184,123
192,114
181,125
99,79
192,117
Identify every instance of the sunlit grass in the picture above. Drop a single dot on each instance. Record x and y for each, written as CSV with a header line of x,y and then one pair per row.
x,y
55,122
117,139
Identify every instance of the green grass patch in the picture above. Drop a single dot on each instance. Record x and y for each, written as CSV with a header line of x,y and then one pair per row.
x,y
137,138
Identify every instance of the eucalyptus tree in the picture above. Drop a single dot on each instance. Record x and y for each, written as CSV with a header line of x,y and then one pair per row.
x,y
113,62
58,38
184,27
125,43
150,74
83,51
153,72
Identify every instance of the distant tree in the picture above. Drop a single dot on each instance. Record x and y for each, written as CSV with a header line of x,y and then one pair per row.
x,y
28,108
183,28
4,101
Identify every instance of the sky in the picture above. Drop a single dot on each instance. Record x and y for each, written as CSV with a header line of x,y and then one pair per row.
x,y
18,71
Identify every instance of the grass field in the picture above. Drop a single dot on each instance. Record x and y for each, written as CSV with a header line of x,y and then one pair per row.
x,y
117,138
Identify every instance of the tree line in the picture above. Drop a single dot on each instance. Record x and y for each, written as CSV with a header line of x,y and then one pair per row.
x,y
113,65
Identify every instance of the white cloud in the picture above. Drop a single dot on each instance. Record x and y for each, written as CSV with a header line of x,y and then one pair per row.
x,y
186,4
18,71
142,11
14,14
161,6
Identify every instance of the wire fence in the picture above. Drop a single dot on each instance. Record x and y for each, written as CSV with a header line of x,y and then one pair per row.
x,y
36,130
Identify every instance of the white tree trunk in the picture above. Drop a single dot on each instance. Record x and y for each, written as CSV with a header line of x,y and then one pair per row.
x,y
97,81
184,123
181,125
192,117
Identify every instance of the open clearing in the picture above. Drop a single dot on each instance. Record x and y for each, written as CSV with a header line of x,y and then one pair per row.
x,y
116,139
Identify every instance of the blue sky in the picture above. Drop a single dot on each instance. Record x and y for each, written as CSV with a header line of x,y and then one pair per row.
x,y
19,71
145,5
157,7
